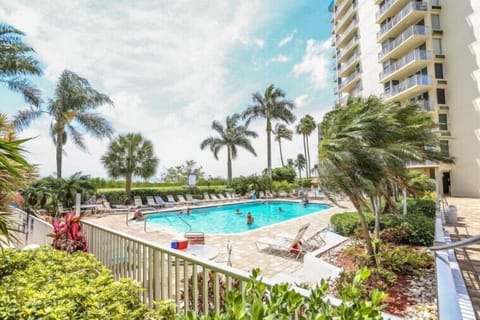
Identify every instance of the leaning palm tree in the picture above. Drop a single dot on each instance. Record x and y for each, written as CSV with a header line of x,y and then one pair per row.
x,y
16,62
305,128
300,163
231,136
364,148
128,156
271,106
281,132
71,109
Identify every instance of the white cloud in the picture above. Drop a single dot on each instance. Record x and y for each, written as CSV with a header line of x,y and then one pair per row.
x,y
314,63
260,42
280,58
285,40
301,100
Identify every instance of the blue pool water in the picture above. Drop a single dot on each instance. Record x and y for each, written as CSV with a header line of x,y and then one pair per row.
x,y
223,219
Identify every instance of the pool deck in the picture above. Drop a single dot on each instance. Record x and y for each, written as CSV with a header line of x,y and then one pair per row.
x,y
245,255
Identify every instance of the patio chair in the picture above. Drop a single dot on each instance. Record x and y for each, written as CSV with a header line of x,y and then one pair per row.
x,y
195,237
191,200
214,197
181,199
206,197
316,240
108,208
171,199
227,258
138,201
287,245
261,194
222,197
151,202
159,201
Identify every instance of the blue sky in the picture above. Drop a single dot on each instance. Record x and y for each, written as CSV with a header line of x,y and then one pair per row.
x,y
172,67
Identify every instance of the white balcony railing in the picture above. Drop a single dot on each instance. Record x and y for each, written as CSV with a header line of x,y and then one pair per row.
x,y
349,79
346,33
384,8
416,80
346,16
411,31
411,6
416,54
348,63
345,49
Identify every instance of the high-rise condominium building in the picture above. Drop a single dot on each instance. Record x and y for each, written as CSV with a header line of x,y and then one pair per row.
x,y
427,51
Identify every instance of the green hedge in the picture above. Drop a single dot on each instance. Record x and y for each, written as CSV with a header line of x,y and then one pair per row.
x,y
346,223
421,206
51,284
120,197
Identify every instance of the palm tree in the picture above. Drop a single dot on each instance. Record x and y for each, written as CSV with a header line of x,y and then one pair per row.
x,y
305,128
300,163
290,163
365,146
282,132
16,62
271,106
128,156
231,136
73,107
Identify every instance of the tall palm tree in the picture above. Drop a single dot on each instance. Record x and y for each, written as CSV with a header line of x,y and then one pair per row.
x,y
17,62
290,163
231,136
271,106
130,155
71,109
300,164
281,132
305,128
365,146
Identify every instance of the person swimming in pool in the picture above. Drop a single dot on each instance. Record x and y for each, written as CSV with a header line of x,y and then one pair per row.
x,y
237,211
280,209
249,218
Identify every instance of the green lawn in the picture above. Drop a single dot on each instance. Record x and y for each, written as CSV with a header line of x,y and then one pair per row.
x,y
163,188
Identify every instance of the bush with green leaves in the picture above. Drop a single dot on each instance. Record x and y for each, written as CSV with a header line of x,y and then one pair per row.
x,y
258,302
421,230
52,284
422,206
278,186
347,223
283,174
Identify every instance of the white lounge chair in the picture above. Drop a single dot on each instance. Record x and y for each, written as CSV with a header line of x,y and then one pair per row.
x,y
287,245
227,258
138,201
151,202
191,200
171,199
159,201
261,195
314,241
181,199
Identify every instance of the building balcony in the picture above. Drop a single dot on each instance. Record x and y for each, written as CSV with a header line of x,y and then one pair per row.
x,y
343,23
346,51
388,9
342,40
349,83
426,105
412,12
424,164
411,38
408,88
404,66
342,8
347,67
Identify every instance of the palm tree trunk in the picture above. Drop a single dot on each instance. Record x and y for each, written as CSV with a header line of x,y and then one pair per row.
x,y
128,187
59,147
269,148
281,155
229,163
309,165
305,152
366,232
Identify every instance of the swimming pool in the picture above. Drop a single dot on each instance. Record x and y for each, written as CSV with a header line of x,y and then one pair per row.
x,y
223,219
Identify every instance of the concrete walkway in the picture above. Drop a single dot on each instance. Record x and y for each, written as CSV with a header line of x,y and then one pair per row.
x,y
468,224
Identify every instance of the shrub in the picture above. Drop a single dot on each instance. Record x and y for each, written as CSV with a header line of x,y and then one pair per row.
x,y
283,174
389,221
52,284
284,185
405,260
421,206
421,228
346,223
399,234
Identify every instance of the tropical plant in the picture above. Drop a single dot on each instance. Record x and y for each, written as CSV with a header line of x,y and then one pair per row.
x,y
130,155
284,174
364,148
179,174
231,136
281,132
17,62
67,234
300,164
72,108
290,163
305,128
270,106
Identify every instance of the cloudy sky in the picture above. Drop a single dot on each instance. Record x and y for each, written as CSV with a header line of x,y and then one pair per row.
x,y
172,67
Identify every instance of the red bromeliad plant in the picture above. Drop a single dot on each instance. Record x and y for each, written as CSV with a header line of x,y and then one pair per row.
x,y
68,235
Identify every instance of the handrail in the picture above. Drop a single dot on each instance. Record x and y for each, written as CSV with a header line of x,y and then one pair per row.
x,y
458,244
185,221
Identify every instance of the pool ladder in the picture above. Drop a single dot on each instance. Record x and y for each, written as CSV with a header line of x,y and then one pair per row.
x,y
184,221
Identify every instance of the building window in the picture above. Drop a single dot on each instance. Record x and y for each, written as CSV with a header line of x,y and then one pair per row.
x,y
439,71
435,22
444,147
441,96
435,2
442,122
437,46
